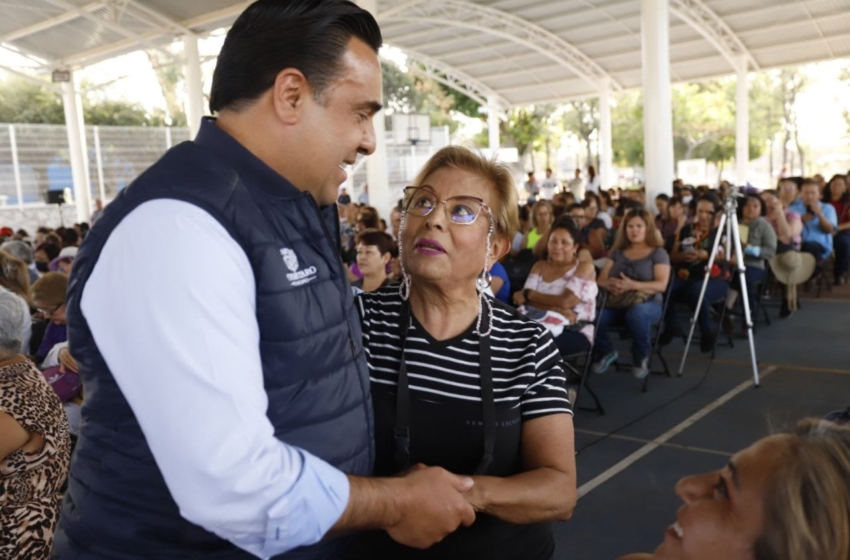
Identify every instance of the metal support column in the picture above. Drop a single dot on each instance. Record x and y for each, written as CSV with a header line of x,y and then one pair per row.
x,y
657,102
73,105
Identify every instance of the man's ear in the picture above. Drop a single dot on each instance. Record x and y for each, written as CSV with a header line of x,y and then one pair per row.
x,y
290,92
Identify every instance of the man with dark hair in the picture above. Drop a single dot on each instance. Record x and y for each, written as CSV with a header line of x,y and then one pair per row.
x,y
227,408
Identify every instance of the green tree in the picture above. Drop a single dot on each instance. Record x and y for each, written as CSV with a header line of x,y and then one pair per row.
x,y
23,101
405,92
627,129
582,119
170,75
528,129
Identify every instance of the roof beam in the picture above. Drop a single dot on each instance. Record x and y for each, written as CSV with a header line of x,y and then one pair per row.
x,y
48,23
226,16
134,39
451,77
491,21
42,83
158,17
709,25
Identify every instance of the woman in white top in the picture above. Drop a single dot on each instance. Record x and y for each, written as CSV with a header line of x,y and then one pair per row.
x,y
564,284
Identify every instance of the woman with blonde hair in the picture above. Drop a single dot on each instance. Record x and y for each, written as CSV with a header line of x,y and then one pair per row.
x,y
636,274
786,497
542,216
462,381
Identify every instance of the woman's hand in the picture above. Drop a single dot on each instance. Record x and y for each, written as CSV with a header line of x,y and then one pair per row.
x,y
626,283
680,222
571,316
66,361
477,497
519,298
774,208
615,286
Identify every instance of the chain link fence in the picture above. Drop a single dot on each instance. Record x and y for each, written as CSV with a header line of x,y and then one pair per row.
x,y
34,162
34,159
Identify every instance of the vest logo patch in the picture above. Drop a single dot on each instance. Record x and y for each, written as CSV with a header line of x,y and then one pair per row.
x,y
297,277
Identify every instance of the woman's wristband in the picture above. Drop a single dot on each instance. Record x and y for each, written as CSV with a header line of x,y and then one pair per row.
x,y
525,294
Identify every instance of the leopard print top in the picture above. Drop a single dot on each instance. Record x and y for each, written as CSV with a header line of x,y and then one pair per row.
x,y
30,483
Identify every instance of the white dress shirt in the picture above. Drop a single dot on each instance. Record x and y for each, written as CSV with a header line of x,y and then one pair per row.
x,y
171,306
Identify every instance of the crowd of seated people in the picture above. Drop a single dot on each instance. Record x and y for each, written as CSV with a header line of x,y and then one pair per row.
x,y
40,389
607,241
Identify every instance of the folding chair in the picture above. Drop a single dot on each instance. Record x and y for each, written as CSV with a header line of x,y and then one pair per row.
x,y
601,299
655,350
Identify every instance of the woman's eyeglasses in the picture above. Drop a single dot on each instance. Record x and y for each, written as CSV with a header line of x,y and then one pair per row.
x,y
48,313
461,210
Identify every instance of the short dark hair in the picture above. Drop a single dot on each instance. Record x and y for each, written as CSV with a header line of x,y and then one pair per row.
x,y
50,250
70,238
568,224
712,198
271,35
674,200
383,241
663,196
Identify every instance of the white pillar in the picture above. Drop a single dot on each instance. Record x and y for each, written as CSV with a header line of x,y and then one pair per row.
x,y
657,104
377,175
73,105
16,167
493,125
98,158
742,122
606,151
194,84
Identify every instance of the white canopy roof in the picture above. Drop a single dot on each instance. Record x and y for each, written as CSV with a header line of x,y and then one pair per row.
x,y
517,51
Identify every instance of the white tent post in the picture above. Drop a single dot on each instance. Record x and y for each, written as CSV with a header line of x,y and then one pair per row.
x,y
606,151
73,105
657,103
493,125
13,144
377,174
194,84
98,155
742,123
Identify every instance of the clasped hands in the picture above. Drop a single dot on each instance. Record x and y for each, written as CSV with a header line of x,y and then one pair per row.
x,y
433,503
622,284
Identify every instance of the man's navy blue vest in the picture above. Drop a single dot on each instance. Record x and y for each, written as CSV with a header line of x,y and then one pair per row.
x,y
314,368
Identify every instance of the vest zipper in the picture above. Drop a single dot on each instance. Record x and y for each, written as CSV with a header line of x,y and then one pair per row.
x,y
335,247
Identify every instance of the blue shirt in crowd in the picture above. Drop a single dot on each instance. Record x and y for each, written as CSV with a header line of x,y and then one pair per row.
x,y
812,231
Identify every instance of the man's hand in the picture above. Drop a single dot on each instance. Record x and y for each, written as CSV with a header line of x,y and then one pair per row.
x,y
431,505
66,361
775,208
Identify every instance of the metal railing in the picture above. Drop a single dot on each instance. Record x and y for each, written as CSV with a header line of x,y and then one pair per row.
x,y
34,158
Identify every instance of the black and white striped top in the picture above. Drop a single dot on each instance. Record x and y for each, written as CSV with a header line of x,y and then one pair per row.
x,y
527,367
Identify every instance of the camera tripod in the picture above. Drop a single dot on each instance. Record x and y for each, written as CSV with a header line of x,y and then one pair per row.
x,y
729,226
